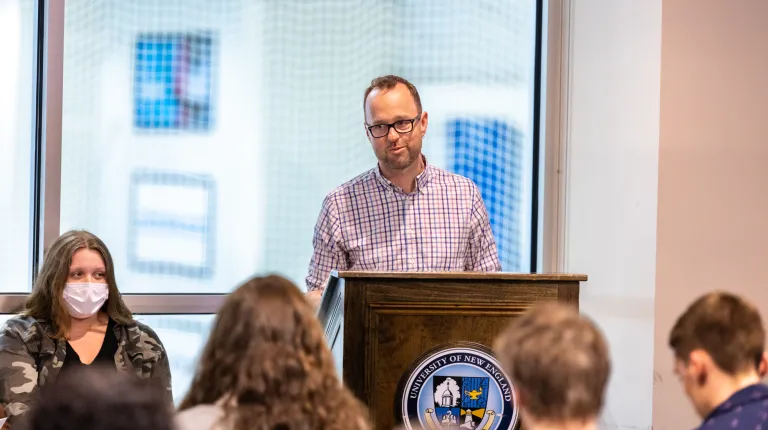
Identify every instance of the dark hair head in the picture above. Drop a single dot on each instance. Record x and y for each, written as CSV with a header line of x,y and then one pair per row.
x,y
99,398
387,83
724,325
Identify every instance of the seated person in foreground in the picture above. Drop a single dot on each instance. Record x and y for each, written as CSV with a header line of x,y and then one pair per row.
x,y
559,364
90,400
74,318
719,344
266,366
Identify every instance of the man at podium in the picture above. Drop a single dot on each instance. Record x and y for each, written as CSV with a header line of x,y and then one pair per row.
x,y
404,214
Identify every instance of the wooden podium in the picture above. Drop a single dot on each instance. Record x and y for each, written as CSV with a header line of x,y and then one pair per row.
x,y
378,323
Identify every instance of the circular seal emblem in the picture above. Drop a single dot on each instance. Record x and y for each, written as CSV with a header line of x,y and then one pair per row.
x,y
457,386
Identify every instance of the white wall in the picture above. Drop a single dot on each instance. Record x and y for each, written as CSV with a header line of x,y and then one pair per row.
x,y
611,196
712,176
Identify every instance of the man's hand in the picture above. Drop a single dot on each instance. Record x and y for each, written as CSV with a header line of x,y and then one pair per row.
x,y
313,297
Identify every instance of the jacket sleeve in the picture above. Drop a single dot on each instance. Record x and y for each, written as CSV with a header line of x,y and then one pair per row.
x,y
160,375
18,374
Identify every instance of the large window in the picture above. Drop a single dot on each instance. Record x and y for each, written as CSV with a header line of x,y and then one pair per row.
x,y
18,51
199,137
184,337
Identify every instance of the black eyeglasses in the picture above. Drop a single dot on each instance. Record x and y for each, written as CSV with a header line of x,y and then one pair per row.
x,y
403,126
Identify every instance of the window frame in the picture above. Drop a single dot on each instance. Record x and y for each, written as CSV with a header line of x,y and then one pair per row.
x,y
552,206
548,206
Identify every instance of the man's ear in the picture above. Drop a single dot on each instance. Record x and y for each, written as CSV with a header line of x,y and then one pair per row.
x,y
762,366
699,365
424,121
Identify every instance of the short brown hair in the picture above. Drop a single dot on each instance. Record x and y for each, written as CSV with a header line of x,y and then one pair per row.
x,y
387,83
724,325
47,299
558,361
267,358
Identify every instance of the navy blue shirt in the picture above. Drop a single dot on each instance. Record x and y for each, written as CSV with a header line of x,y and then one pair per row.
x,y
745,409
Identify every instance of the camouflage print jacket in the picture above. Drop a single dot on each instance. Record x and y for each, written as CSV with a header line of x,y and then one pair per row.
x,y
30,357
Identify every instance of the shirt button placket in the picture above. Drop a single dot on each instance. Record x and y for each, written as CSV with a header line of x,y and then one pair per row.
x,y
411,232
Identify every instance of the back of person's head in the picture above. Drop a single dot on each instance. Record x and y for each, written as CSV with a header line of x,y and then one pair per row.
x,y
267,361
718,343
725,326
98,399
558,362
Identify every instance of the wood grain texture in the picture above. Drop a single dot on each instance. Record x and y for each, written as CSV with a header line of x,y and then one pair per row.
x,y
390,319
535,277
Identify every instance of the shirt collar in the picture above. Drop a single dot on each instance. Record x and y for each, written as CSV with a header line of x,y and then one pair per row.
x,y
422,179
749,394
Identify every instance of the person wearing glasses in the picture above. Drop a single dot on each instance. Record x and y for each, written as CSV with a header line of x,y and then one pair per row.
x,y
404,214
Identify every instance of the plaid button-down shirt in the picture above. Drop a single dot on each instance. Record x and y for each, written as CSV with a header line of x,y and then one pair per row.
x,y
370,224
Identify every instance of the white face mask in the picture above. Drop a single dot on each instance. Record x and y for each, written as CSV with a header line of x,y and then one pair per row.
x,y
85,298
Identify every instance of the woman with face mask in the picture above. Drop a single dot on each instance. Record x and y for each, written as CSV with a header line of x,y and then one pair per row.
x,y
73,319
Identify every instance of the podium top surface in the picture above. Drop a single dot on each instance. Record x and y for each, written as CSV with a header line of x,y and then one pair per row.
x,y
502,276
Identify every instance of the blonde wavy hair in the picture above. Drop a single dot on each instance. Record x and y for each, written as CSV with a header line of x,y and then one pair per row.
x,y
267,363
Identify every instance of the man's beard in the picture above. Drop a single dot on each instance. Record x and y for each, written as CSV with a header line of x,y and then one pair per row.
x,y
401,161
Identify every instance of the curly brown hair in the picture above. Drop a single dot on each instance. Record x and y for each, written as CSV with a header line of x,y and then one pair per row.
x,y
267,360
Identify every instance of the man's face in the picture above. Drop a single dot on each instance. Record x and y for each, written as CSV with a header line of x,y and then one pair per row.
x,y
398,149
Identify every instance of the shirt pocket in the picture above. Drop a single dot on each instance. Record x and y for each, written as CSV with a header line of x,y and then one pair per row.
x,y
365,252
